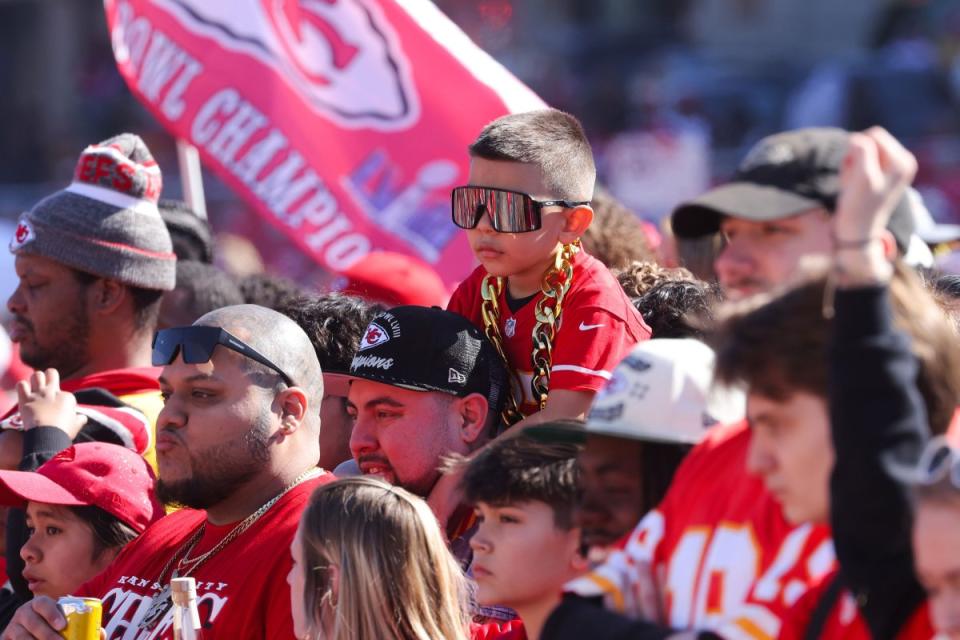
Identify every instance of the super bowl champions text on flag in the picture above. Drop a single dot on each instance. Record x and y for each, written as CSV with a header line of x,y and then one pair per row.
x,y
344,122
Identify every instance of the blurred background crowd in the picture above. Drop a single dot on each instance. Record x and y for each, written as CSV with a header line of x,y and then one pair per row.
x,y
671,92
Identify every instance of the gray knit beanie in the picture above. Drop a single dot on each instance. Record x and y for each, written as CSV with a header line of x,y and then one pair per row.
x,y
106,222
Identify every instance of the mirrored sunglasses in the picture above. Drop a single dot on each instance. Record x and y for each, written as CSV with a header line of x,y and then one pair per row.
x,y
508,211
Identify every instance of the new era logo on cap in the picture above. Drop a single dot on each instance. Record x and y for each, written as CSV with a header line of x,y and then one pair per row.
x,y
455,376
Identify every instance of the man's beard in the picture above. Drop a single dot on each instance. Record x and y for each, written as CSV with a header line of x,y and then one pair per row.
x,y
66,351
217,472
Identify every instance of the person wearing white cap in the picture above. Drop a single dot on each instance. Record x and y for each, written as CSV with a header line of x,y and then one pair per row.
x,y
658,403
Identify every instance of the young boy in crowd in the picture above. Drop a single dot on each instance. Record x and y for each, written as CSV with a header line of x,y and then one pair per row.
x,y
527,545
525,207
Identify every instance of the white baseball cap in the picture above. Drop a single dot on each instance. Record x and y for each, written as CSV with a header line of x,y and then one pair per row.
x,y
661,392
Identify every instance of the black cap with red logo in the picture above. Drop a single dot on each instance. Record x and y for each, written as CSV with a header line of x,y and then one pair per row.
x,y
429,349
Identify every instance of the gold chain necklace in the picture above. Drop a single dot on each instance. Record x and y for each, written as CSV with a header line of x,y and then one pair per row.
x,y
490,290
554,286
161,602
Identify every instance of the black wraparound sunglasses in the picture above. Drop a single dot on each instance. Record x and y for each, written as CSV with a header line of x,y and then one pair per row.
x,y
508,211
196,345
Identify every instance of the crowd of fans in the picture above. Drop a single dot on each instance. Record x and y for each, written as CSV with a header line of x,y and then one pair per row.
x,y
588,440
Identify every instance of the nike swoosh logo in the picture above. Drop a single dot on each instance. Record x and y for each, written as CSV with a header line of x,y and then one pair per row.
x,y
587,327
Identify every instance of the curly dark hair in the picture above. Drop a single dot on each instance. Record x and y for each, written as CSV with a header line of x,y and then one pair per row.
x,y
678,308
335,323
640,276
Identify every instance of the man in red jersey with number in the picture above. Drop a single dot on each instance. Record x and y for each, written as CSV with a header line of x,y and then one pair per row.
x,y
237,445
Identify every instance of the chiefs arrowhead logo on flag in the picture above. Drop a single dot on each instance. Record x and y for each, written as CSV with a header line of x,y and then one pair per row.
x,y
341,58
343,122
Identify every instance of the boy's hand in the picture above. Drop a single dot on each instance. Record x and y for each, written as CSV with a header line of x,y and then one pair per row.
x,y
39,618
43,403
874,177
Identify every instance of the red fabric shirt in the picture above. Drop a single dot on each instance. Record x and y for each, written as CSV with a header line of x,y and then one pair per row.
x,y
511,630
598,327
242,590
721,554
844,621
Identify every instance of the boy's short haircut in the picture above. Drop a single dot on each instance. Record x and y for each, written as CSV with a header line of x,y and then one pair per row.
x,y
520,469
550,139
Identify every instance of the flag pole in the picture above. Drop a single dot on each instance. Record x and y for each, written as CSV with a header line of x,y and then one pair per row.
x,y
191,177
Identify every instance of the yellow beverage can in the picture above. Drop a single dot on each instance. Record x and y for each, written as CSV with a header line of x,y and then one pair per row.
x,y
83,617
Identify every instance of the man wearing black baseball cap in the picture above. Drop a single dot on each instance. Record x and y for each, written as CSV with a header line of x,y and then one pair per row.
x,y
426,384
777,210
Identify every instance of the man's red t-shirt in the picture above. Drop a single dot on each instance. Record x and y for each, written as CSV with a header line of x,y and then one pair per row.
x,y
242,590
717,551
598,327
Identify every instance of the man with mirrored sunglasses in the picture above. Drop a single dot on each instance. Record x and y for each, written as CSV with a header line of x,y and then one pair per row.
x,y
557,316
237,446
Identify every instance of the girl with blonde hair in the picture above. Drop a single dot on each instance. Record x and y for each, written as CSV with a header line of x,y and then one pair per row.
x,y
370,562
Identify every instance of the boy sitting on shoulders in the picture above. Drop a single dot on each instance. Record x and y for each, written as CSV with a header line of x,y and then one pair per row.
x,y
557,316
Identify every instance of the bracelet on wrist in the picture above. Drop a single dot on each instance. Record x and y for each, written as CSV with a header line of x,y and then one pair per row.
x,y
839,243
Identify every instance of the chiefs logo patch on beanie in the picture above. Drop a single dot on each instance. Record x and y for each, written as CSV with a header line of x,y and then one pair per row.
x,y
22,234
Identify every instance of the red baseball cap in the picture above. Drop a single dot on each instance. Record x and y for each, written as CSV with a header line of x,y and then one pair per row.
x,y
95,474
395,279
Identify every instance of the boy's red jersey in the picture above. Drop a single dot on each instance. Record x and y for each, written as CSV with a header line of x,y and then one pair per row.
x,y
598,327
717,552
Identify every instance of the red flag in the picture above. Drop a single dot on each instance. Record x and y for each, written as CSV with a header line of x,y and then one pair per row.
x,y
344,122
